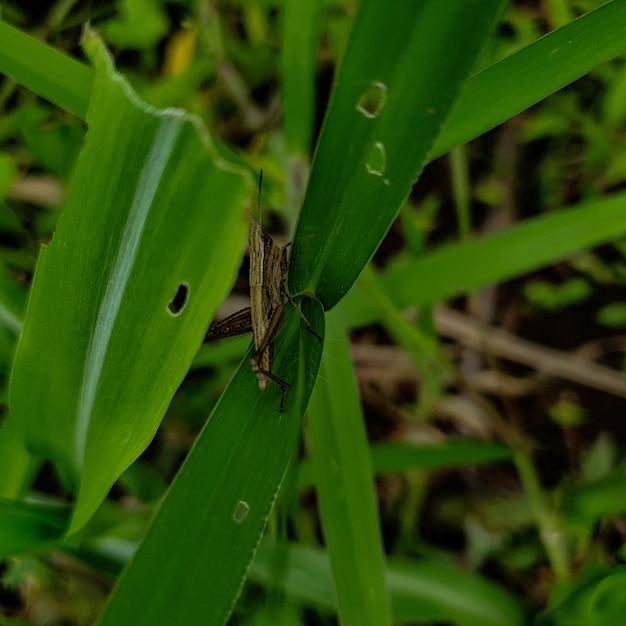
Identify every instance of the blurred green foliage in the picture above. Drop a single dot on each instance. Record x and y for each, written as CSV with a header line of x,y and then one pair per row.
x,y
498,493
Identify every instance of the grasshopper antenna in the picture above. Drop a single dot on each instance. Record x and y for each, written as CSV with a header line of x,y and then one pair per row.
x,y
259,200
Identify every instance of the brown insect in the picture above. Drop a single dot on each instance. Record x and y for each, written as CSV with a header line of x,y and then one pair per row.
x,y
266,313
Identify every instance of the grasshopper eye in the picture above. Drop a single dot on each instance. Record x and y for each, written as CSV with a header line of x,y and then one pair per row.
x,y
179,301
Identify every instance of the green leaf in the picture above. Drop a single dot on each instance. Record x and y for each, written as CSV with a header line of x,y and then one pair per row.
x,y
140,25
18,466
344,480
458,268
45,71
398,457
53,147
301,31
391,457
505,89
402,70
421,591
8,173
204,535
597,599
29,526
553,297
612,315
596,499
489,98
439,591
153,211
13,297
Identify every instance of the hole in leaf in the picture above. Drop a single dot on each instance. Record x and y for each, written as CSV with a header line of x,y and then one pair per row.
x,y
377,159
241,512
372,100
179,300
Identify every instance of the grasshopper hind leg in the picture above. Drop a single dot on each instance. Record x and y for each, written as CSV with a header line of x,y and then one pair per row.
x,y
302,317
284,386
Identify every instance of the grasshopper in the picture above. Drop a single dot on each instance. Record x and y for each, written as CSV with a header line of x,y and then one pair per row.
x,y
265,315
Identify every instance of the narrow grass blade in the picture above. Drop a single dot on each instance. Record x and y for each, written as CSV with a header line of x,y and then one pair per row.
x,y
301,31
403,69
204,535
390,457
45,71
506,88
458,268
344,480
146,248
399,457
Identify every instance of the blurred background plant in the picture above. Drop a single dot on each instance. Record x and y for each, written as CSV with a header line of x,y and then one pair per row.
x,y
517,387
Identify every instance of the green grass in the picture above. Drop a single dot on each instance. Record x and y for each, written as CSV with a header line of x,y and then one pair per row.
x,y
156,203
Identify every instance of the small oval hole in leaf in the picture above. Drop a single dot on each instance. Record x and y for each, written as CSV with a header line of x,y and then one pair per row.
x,y
373,99
241,512
179,300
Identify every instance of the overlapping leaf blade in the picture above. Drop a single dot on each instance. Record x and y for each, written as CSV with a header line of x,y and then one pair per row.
x,y
204,535
401,73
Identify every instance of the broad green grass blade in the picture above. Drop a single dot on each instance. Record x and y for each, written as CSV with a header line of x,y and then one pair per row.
x,y
421,591
153,212
301,30
459,268
204,535
527,77
402,70
345,486
45,71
